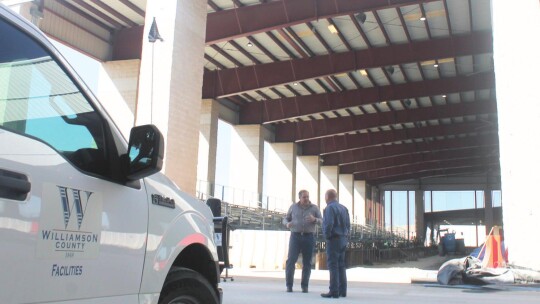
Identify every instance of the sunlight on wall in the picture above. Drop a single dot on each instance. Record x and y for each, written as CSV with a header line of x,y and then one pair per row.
x,y
277,176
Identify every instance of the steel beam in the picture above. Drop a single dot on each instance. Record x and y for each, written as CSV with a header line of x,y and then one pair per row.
x,y
335,144
301,131
286,108
226,25
385,151
481,168
233,81
408,170
417,158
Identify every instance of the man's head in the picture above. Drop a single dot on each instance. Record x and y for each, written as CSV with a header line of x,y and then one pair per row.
x,y
330,195
303,197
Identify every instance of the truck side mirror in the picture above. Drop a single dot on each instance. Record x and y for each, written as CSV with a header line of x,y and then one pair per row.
x,y
145,152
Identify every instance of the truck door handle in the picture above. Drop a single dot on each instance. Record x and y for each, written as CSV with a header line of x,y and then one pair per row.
x,y
13,185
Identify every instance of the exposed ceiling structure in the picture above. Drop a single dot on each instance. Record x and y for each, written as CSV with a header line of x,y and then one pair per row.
x,y
103,29
389,90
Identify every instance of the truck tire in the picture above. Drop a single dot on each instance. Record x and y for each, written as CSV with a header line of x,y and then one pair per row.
x,y
187,286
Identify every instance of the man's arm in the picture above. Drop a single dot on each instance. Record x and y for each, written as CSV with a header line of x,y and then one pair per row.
x,y
288,218
318,216
328,222
348,222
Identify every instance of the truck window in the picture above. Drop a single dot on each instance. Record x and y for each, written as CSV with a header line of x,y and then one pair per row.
x,y
38,99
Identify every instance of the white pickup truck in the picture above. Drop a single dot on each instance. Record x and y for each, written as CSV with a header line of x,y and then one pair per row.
x,y
86,217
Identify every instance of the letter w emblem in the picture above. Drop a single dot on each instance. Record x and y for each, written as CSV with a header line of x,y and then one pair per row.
x,y
77,204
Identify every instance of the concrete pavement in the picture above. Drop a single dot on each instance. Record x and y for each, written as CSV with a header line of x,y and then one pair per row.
x,y
252,289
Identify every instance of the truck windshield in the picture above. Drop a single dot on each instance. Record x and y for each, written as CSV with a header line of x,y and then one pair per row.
x,y
38,99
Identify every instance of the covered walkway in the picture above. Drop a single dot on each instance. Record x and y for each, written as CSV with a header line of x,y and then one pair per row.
x,y
366,97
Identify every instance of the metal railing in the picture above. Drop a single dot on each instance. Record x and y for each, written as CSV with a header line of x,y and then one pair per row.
x,y
241,197
368,243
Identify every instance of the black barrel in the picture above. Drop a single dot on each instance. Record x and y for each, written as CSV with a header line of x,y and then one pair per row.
x,y
215,206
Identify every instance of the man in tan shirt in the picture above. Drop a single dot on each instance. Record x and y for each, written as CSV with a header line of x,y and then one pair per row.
x,y
301,219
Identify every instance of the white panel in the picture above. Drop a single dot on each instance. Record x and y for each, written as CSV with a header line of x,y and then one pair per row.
x,y
483,62
467,96
430,72
253,50
392,26
271,46
283,90
447,69
126,11
356,111
329,114
307,36
481,10
224,4
396,104
373,31
315,86
412,71
453,98
397,77
423,102
92,41
459,16
236,54
378,76
464,65
285,43
483,94
351,33
217,56
364,80
333,40
343,113
436,19
416,27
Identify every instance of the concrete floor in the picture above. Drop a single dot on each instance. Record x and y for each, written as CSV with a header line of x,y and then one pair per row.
x,y
382,283
272,290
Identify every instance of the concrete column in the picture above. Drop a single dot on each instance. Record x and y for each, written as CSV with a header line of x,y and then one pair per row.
x,y
208,132
516,64
345,190
170,83
117,89
329,180
420,209
247,165
307,177
124,74
280,176
359,205
488,213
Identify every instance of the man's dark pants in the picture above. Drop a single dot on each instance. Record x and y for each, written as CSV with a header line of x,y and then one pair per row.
x,y
304,243
335,252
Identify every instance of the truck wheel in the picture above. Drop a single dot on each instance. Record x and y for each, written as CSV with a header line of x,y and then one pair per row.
x,y
187,286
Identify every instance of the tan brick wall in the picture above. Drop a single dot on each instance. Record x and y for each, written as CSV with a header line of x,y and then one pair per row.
x,y
206,167
125,76
185,94
170,84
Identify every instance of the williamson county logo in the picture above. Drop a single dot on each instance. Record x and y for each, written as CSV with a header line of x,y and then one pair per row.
x,y
70,224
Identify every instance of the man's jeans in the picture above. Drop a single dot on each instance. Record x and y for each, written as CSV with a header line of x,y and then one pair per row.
x,y
335,251
299,243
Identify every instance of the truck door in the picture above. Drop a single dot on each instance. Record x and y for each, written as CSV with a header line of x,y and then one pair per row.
x,y
70,228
